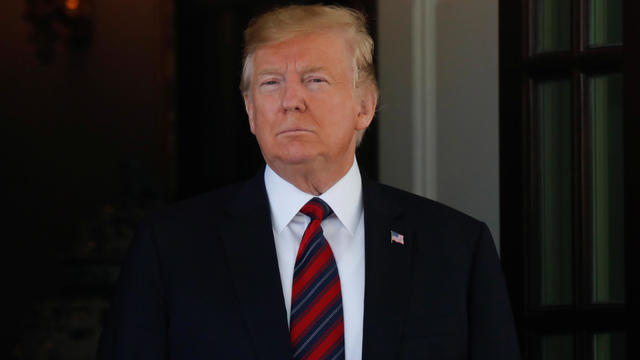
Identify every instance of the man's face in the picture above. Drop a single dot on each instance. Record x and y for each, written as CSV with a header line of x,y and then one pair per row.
x,y
302,104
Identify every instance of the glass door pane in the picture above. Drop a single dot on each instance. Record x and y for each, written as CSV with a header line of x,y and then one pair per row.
x,y
557,347
554,122
605,22
607,189
552,25
609,346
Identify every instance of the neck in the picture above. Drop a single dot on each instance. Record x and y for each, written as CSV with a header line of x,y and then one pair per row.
x,y
312,178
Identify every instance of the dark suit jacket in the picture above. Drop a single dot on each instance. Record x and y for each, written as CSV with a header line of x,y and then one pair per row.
x,y
201,281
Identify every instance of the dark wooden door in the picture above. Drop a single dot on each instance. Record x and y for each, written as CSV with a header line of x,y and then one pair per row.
x,y
569,114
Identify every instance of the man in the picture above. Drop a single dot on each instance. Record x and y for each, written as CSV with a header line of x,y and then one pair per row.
x,y
309,260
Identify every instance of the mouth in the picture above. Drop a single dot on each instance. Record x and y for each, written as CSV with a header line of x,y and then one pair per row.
x,y
294,131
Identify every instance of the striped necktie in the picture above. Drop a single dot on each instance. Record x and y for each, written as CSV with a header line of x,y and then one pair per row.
x,y
317,326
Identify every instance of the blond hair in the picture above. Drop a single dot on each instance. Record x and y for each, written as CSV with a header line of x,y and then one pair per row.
x,y
291,21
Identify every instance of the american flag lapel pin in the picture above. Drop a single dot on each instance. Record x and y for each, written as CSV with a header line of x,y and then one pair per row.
x,y
397,238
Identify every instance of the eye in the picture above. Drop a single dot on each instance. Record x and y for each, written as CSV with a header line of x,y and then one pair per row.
x,y
316,80
270,82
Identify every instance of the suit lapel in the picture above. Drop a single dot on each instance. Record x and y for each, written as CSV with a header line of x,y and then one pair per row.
x,y
387,273
250,248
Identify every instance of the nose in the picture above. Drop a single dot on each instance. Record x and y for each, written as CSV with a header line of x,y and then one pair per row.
x,y
293,97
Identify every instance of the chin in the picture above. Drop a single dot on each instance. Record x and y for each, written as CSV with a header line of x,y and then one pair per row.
x,y
297,155
295,151
296,159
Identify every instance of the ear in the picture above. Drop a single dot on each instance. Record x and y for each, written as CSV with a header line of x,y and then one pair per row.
x,y
248,106
368,100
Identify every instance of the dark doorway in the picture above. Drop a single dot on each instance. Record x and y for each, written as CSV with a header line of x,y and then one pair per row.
x,y
99,136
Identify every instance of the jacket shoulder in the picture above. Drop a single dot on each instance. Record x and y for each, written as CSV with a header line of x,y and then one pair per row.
x,y
203,208
418,206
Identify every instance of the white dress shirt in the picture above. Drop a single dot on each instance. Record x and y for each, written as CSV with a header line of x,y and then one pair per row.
x,y
344,232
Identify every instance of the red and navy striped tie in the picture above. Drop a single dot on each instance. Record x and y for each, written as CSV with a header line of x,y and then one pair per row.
x,y
317,325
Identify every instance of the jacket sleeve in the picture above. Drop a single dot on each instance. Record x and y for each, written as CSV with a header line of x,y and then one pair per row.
x,y
491,328
136,324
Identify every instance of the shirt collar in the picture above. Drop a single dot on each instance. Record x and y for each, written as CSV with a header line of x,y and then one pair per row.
x,y
286,200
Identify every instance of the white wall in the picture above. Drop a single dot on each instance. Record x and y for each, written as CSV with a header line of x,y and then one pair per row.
x,y
438,72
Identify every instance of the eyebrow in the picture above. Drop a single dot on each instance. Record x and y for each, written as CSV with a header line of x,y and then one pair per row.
x,y
304,70
269,71
311,69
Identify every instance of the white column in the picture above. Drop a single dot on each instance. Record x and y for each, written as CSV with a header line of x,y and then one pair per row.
x,y
406,62
438,72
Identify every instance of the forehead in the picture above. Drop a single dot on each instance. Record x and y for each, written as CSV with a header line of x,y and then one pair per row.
x,y
317,50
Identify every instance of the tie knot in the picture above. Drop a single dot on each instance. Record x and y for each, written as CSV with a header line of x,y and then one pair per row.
x,y
316,209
